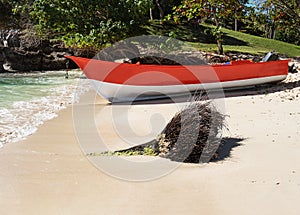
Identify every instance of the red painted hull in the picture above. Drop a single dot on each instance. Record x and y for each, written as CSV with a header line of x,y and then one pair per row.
x,y
236,74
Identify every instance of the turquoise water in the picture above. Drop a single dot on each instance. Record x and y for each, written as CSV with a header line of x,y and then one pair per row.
x,y
29,99
23,87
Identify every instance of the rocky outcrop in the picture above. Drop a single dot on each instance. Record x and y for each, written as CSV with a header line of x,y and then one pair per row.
x,y
18,59
49,56
45,57
2,61
26,51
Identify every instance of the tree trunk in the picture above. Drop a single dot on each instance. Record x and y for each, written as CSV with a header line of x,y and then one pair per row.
x,y
274,33
235,25
161,10
151,14
235,22
220,46
274,28
218,35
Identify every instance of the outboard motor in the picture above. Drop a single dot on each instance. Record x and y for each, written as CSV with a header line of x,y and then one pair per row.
x,y
270,57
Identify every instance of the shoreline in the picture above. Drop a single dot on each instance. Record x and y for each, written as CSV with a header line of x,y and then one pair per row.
x,y
33,99
48,173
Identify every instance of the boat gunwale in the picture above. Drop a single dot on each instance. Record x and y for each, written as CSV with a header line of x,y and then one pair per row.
x,y
246,62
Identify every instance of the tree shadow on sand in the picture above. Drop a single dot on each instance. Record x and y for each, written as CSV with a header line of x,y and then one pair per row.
x,y
226,146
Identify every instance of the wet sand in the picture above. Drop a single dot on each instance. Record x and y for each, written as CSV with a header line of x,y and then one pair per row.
x,y
49,172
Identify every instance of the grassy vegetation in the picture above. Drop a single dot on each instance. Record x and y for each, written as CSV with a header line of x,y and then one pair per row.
x,y
134,151
234,41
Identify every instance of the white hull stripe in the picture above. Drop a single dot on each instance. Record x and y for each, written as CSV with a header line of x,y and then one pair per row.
x,y
119,92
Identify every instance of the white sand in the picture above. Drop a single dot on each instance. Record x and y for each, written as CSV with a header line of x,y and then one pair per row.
x,y
49,174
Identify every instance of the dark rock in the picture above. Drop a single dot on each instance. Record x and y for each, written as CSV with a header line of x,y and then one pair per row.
x,y
2,60
257,59
13,39
47,50
88,53
1,67
23,60
26,51
2,70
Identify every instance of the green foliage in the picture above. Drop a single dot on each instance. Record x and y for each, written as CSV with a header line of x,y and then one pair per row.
x,y
276,19
96,23
216,11
7,18
253,44
233,41
85,23
285,16
216,32
107,33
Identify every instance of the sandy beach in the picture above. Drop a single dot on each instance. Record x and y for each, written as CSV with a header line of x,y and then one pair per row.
x,y
49,172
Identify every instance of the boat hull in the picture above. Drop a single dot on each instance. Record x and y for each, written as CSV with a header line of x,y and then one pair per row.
x,y
123,93
119,82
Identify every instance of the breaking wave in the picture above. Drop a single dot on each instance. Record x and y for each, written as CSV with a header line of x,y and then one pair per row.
x,y
22,113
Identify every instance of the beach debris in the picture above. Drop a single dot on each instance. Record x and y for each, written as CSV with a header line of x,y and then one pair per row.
x,y
292,69
192,135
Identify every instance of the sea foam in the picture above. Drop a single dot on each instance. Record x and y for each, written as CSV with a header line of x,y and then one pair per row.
x,y
23,118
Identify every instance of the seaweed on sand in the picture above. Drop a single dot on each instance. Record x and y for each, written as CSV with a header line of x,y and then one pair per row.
x,y
192,135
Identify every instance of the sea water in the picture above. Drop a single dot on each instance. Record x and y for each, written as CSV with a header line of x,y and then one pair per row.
x,y
27,100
